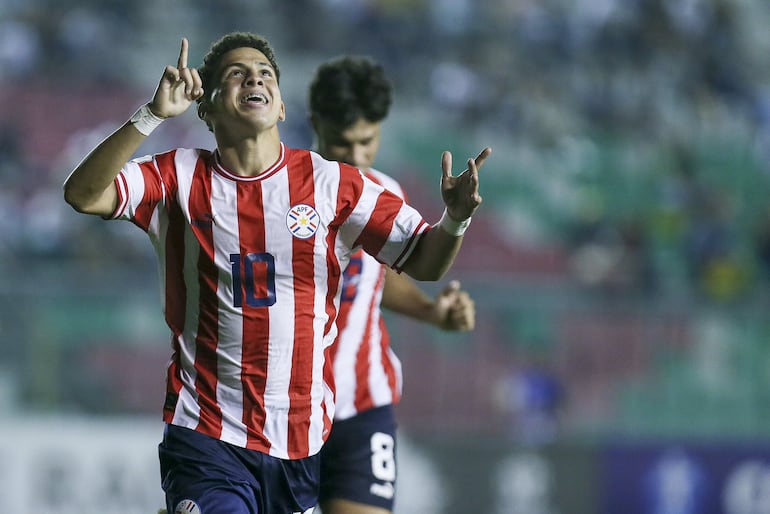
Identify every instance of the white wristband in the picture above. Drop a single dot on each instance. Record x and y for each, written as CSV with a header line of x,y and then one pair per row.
x,y
145,120
452,227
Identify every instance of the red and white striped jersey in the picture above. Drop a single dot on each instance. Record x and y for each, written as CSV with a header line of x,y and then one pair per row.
x,y
367,372
251,274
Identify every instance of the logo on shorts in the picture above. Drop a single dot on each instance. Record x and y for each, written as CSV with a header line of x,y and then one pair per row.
x,y
187,507
302,221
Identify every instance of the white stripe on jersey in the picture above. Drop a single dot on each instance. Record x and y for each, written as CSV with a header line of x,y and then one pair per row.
x,y
224,226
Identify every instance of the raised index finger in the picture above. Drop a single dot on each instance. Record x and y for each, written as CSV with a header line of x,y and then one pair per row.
x,y
182,62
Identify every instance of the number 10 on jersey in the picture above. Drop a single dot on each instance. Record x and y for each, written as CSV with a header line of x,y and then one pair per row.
x,y
253,279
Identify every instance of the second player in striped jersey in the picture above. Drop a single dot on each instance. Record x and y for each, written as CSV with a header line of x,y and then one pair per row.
x,y
349,98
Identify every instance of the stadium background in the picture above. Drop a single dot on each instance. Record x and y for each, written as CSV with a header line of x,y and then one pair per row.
x,y
620,263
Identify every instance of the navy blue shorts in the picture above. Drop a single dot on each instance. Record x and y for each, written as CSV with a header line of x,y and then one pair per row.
x,y
358,461
219,478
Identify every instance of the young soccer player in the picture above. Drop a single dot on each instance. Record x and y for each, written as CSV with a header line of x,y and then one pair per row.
x,y
349,98
252,239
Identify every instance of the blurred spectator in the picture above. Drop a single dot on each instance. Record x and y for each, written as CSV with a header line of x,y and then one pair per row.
x,y
711,246
20,52
612,257
532,395
762,246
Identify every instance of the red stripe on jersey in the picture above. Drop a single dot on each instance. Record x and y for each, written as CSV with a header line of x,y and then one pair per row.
x,y
332,286
301,190
349,294
256,319
387,362
363,398
344,208
329,379
332,282
207,336
153,192
175,299
121,188
384,214
352,182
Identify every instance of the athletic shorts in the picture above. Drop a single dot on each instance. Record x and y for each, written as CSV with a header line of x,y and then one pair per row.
x,y
203,475
358,461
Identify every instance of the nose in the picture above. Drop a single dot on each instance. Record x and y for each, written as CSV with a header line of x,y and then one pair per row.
x,y
252,79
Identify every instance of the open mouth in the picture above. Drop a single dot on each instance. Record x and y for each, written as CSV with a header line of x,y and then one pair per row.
x,y
254,98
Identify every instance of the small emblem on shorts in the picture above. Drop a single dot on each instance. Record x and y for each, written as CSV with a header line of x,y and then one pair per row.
x,y
302,221
187,507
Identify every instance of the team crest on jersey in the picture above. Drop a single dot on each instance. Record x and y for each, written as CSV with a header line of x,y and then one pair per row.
x,y
302,221
187,507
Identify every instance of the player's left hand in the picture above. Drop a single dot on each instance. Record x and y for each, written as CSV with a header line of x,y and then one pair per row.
x,y
455,309
461,193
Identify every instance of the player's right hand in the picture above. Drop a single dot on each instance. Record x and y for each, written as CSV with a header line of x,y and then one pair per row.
x,y
179,87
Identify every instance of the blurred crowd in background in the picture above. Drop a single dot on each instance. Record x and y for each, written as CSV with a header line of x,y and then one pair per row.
x,y
632,161
623,128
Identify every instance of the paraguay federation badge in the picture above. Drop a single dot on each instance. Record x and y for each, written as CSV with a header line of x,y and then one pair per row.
x,y
302,221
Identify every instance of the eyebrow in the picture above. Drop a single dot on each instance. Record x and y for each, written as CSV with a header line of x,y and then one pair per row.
x,y
241,64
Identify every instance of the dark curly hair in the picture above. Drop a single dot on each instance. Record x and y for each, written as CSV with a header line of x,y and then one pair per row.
x,y
348,88
211,60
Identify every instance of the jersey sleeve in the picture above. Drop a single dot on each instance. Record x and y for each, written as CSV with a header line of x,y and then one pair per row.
x,y
388,228
140,189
